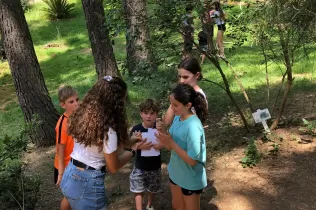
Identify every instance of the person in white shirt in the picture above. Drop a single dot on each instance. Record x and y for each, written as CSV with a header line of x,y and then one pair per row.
x,y
219,19
189,72
99,129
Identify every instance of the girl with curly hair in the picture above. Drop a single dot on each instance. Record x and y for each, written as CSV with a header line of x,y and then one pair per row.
x,y
99,129
186,140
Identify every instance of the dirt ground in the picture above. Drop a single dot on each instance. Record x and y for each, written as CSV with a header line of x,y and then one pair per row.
x,y
285,181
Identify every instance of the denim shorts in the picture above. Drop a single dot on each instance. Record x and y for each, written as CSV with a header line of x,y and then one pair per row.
x,y
141,180
84,189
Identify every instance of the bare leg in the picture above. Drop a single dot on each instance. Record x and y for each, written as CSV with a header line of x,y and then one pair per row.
x,y
192,202
150,199
64,205
177,197
220,42
202,58
139,201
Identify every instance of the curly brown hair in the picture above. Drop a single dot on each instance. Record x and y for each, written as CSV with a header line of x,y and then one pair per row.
x,y
103,107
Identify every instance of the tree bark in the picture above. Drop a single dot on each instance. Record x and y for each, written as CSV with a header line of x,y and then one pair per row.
x,y
288,65
139,54
29,83
102,49
229,93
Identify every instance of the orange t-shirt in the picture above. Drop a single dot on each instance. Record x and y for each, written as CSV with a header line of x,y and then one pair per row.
x,y
63,138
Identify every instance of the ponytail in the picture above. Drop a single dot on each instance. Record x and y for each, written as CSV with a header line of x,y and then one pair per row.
x,y
200,107
185,94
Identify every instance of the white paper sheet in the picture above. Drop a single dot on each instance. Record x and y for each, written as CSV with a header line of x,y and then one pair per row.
x,y
150,135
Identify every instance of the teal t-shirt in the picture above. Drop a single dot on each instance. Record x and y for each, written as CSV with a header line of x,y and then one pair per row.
x,y
189,135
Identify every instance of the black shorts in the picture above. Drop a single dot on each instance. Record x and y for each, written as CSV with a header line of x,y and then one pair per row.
x,y
55,175
188,45
186,191
221,27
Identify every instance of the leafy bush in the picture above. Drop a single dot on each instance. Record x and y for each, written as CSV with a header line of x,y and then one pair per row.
x,y
17,190
25,4
59,9
310,126
252,156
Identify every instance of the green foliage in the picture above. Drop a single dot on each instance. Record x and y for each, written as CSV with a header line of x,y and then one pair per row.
x,y
59,9
115,17
266,137
252,156
237,30
25,4
288,20
17,190
275,149
165,24
310,126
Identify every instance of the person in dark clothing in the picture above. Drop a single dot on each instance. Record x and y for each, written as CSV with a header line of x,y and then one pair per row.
x,y
203,44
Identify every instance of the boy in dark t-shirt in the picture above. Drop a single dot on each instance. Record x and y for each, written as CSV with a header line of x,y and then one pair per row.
x,y
146,174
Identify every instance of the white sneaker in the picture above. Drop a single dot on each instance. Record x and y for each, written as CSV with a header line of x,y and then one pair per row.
x,y
150,208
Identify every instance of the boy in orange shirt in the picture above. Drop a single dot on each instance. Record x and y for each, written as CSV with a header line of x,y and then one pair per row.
x,y
68,99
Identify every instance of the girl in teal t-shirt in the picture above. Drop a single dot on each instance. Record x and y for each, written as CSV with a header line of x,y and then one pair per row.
x,y
187,144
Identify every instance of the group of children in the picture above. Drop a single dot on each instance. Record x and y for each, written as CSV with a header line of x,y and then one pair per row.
x,y
213,15
97,129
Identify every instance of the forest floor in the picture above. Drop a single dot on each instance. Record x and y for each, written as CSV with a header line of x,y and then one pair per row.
x,y
284,180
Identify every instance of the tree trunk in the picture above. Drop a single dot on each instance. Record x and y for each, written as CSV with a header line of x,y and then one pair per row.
x,y
102,49
227,89
29,83
288,65
229,93
139,54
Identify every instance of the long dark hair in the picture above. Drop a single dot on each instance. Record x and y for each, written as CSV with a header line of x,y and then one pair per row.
x,y
219,9
192,65
103,107
185,94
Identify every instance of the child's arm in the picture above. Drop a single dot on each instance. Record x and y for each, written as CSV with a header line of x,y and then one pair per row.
x,y
158,146
61,165
168,118
183,154
167,140
140,143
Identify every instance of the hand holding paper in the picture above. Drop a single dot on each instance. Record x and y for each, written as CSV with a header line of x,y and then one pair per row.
x,y
165,139
150,136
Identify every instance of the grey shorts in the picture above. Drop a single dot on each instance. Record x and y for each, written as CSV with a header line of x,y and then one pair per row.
x,y
204,48
141,181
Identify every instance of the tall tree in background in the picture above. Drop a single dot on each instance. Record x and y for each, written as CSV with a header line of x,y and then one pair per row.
x,y
102,49
139,54
29,83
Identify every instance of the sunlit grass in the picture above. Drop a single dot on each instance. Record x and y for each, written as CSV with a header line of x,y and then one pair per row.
x,y
71,63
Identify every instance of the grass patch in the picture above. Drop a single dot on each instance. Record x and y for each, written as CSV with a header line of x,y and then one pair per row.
x,y
71,62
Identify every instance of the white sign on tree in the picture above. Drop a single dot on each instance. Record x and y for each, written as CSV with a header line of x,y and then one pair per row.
x,y
261,116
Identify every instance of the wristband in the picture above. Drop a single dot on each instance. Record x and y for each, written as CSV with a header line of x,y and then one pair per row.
x,y
130,150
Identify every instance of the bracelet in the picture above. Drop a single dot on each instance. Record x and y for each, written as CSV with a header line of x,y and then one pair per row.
x,y
131,150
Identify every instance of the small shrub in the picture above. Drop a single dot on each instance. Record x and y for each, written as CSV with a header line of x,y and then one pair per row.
x,y
275,149
17,190
59,9
252,156
310,126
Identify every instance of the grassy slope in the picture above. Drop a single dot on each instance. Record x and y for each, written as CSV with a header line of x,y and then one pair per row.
x,y
72,63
